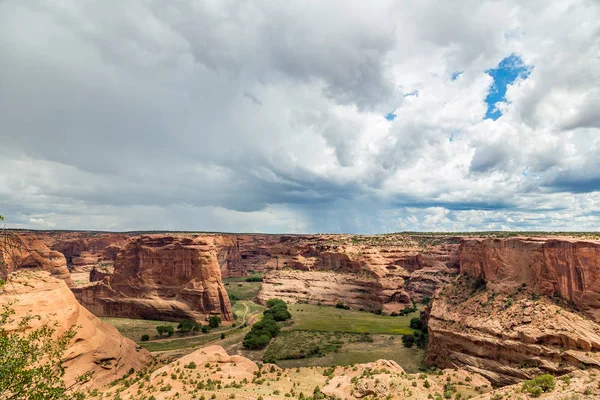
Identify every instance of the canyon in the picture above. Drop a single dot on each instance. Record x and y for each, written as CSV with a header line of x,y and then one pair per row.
x,y
505,309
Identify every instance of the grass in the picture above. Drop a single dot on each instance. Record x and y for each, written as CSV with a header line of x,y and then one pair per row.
x,y
309,317
183,343
135,328
240,290
386,347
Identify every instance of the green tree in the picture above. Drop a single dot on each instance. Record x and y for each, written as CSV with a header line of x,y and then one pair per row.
x,y
214,321
31,365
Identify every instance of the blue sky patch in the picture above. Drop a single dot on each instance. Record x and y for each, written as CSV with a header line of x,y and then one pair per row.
x,y
508,71
456,75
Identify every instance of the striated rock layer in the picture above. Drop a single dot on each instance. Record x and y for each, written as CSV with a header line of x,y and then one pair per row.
x,y
84,250
497,319
30,253
96,348
162,277
329,288
386,273
555,266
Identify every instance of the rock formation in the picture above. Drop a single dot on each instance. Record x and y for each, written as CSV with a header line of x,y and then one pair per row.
x,y
228,256
96,348
84,250
516,310
329,288
32,254
372,273
566,267
163,277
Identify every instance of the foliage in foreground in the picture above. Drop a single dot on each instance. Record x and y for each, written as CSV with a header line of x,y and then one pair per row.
x,y
30,359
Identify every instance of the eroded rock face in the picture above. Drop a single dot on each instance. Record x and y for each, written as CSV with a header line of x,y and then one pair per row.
x,y
84,250
562,266
97,347
329,288
228,256
32,254
366,273
164,277
508,337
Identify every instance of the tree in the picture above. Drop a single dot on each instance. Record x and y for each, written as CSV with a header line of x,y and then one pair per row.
x,y
31,365
162,329
145,338
214,321
188,326
416,323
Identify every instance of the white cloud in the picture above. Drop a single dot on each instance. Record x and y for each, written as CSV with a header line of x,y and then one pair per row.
x,y
264,116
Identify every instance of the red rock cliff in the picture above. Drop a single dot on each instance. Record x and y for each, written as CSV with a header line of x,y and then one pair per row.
x,y
32,254
97,347
563,266
162,277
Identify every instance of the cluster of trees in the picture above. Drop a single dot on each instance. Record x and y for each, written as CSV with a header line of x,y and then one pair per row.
x,y
418,338
263,331
255,278
187,326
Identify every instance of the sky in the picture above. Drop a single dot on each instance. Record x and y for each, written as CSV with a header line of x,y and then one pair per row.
x,y
301,116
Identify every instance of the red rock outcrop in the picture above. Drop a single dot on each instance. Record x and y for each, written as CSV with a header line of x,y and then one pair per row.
x,y
97,347
228,256
32,254
164,277
508,337
83,250
549,266
368,272
329,288
522,306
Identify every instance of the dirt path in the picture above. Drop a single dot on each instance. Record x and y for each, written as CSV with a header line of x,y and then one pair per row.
x,y
245,319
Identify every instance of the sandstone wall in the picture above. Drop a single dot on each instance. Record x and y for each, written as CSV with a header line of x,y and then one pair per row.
x,y
96,348
162,277
563,266
32,254
371,276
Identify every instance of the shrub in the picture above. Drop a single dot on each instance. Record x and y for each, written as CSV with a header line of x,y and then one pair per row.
x,y
255,278
188,326
541,384
191,365
214,321
342,306
416,323
145,338
168,329
205,329
408,340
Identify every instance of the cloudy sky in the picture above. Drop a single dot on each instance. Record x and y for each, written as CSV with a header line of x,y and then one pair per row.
x,y
300,116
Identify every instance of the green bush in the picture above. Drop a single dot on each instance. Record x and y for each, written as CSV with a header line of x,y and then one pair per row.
x,y
255,278
145,338
168,329
541,384
408,340
214,321
416,323
188,326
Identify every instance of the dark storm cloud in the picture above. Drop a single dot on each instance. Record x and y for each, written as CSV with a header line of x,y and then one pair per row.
x,y
264,115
